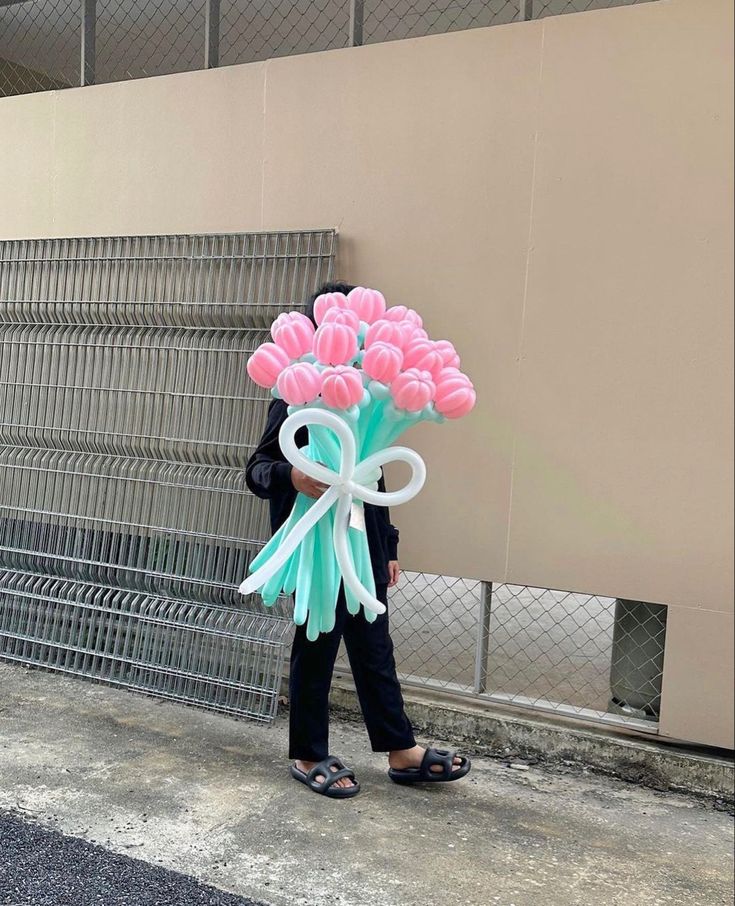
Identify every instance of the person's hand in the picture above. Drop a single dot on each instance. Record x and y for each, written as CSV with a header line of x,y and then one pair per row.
x,y
394,573
306,485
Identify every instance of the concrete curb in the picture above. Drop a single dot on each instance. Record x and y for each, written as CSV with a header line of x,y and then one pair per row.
x,y
495,732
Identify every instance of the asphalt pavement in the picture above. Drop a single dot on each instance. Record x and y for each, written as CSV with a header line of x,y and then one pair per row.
x,y
41,867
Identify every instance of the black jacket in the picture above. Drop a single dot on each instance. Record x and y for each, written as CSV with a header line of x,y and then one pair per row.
x,y
268,475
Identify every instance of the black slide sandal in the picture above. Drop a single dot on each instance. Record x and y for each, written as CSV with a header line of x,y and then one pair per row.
x,y
326,787
423,774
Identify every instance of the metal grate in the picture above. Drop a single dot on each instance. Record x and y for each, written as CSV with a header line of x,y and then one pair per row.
x,y
42,42
126,417
577,655
212,657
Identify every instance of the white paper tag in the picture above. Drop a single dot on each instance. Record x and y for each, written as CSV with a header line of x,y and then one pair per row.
x,y
357,517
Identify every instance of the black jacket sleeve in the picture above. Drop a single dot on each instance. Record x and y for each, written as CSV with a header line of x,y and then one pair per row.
x,y
268,473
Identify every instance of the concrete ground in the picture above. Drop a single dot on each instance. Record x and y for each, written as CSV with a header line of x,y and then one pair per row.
x,y
209,796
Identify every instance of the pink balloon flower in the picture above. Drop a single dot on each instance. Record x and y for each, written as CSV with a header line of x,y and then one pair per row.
x,y
455,395
413,389
423,355
266,363
342,316
396,333
341,386
449,355
382,362
300,383
335,344
294,333
368,304
323,303
401,313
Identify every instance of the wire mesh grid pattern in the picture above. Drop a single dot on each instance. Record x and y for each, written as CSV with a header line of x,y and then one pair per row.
x,y
39,46
259,31
217,658
126,418
137,38
390,21
542,8
577,655
51,44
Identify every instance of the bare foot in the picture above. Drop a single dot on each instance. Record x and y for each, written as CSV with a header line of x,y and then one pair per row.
x,y
306,766
412,758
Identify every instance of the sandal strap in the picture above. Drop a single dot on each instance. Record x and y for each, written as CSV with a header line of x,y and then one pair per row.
x,y
443,758
334,776
324,767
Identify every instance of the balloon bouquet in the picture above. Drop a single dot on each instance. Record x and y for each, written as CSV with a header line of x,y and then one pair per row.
x,y
357,381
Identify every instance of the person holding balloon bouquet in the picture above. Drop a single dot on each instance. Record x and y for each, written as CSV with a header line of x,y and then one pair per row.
x,y
348,378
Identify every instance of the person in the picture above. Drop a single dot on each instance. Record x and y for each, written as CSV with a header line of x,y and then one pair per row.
x,y
369,646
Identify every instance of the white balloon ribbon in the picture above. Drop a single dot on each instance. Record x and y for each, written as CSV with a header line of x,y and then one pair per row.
x,y
351,482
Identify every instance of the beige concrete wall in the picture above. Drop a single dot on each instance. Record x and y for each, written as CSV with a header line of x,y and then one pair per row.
x,y
553,196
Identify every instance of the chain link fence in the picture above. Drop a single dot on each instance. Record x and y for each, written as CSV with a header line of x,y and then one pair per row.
x,y
52,44
576,655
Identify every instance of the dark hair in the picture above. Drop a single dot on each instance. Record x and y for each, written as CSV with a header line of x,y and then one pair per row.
x,y
326,288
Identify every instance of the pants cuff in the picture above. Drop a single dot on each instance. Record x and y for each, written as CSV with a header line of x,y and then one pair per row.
x,y
393,745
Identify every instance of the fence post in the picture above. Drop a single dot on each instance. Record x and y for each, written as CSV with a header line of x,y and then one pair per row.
x,y
357,15
483,637
211,38
525,10
89,42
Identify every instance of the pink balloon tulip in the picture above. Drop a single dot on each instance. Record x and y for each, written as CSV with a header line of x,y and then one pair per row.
x,y
401,313
300,383
382,362
448,353
341,386
455,395
294,333
266,363
396,333
342,316
451,372
423,355
368,304
325,302
413,389
335,344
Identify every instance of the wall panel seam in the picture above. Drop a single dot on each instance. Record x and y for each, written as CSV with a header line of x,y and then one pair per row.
x,y
521,331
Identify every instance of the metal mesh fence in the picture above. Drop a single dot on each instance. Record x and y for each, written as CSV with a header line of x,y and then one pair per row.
x,y
47,44
390,21
137,38
126,418
576,655
39,46
542,8
258,31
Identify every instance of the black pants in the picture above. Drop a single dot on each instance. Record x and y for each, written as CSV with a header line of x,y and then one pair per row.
x,y
370,650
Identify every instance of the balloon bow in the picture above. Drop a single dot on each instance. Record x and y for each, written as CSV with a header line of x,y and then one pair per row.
x,y
353,481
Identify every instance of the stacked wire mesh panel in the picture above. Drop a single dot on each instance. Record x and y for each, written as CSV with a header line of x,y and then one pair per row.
x,y
126,419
